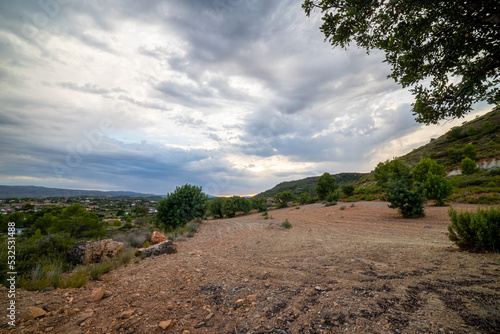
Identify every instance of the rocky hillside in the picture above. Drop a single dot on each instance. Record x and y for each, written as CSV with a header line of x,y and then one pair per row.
x,y
482,132
308,185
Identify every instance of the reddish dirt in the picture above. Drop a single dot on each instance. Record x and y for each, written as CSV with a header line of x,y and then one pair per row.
x,y
361,269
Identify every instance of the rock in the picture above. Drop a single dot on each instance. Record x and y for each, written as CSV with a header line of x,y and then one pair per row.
x,y
126,314
252,298
240,302
157,238
170,306
94,251
166,247
209,316
37,312
96,295
166,325
84,316
49,329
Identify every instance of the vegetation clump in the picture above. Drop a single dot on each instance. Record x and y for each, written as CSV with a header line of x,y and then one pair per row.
x,y
184,204
476,231
326,185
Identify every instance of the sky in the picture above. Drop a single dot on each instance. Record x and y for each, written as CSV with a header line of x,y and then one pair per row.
x,y
234,96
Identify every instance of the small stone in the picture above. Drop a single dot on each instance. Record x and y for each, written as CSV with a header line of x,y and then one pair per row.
x,y
240,302
209,316
37,312
186,332
126,314
318,288
49,329
170,306
166,325
252,298
96,295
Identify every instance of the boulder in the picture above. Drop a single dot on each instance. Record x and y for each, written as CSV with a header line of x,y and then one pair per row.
x,y
94,251
157,238
166,247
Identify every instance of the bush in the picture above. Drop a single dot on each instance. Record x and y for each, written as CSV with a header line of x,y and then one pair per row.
x,y
333,197
75,280
215,207
437,188
326,184
391,170
184,204
286,224
305,199
284,197
469,166
42,277
348,189
409,201
426,166
259,204
478,231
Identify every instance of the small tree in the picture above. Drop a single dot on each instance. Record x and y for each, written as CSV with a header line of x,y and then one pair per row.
x,y
284,197
348,189
181,206
326,184
469,166
391,170
259,204
215,206
305,199
332,197
438,188
409,200
426,166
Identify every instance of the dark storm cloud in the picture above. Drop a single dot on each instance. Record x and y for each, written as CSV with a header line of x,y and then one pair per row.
x,y
261,62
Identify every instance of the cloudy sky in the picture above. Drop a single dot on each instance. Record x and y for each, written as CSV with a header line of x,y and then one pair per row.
x,y
232,95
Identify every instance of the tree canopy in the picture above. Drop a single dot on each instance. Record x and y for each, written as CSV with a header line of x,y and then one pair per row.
x,y
326,184
447,52
181,206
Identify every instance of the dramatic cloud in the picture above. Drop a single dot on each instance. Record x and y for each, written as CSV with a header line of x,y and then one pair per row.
x,y
235,96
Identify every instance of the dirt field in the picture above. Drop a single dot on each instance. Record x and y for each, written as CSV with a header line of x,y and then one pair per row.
x,y
349,269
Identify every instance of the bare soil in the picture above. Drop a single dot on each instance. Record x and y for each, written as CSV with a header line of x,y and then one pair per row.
x,y
349,269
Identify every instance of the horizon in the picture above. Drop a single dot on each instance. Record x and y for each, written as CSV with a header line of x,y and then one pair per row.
x,y
133,97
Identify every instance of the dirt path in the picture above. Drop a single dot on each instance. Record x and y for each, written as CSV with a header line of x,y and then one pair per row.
x,y
352,270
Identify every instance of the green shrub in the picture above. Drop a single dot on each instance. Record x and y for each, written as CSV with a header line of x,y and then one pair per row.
x,y
325,185
410,201
181,206
284,197
478,231
332,197
76,280
259,204
342,207
348,189
305,199
469,166
286,224
96,270
42,277
438,188
391,170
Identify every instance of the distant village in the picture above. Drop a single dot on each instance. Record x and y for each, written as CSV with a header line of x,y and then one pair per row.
x,y
107,209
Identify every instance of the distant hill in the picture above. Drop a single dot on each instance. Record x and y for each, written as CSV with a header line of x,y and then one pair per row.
x,y
308,185
42,192
483,132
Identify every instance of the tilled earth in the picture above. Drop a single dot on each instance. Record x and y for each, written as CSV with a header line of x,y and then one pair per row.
x,y
348,268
